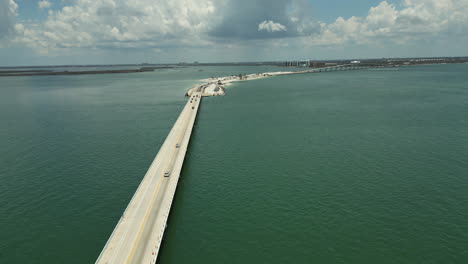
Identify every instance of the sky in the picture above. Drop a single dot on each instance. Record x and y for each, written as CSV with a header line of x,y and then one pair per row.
x,y
57,32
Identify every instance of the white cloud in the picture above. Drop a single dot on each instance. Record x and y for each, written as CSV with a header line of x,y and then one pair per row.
x,y
7,17
417,19
271,26
44,4
159,25
122,24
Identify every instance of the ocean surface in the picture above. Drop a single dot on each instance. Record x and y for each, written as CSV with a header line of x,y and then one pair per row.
x,y
366,166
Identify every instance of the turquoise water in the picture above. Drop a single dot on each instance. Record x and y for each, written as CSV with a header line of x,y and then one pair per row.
x,y
338,167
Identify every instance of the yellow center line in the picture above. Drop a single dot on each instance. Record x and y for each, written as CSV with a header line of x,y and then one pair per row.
x,y
146,216
144,222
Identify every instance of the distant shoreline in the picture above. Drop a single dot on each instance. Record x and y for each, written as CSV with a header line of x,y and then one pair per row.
x,y
286,62
12,73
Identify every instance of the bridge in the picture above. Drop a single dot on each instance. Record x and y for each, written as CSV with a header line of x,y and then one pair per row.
x,y
138,234
344,67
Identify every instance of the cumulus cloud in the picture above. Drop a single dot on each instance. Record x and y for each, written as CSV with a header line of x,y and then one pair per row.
x,y
271,26
7,17
416,19
158,25
44,4
242,20
121,24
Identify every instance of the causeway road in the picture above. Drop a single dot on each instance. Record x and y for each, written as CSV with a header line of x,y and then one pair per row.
x,y
139,232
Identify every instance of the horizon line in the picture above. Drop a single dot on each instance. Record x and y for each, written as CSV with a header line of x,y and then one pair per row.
x,y
195,63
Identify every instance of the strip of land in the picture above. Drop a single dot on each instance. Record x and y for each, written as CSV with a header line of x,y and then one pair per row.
x,y
215,86
49,72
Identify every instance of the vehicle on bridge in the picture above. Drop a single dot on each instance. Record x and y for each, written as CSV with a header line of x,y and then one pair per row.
x,y
167,173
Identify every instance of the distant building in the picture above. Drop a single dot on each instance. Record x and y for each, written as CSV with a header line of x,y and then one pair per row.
x,y
355,62
316,64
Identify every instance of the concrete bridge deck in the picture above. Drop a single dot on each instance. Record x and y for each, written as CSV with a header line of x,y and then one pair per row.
x,y
138,234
